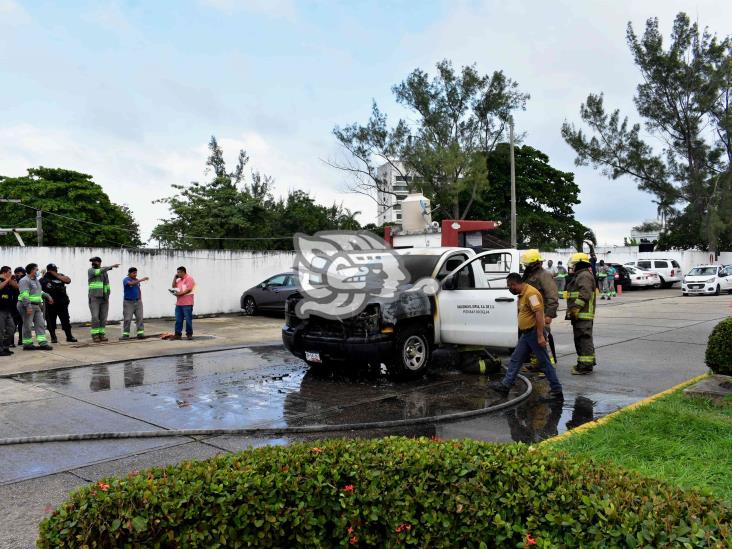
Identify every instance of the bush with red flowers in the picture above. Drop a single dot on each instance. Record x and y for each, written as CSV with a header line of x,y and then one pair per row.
x,y
387,492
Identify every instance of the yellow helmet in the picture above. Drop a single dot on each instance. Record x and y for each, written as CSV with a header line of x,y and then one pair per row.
x,y
579,256
531,256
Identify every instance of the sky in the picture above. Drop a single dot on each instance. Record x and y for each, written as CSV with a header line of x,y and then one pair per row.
x,y
130,91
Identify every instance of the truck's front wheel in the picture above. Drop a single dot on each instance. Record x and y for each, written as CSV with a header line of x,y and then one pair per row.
x,y
412,352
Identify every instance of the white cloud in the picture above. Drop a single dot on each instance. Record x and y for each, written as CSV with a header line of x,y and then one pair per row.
x,y
285,9
12,14
137,172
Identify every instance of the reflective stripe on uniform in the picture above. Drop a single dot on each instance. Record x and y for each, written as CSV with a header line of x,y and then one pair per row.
x,y
107,288
587,359
590,314
579,302
96,285
95,331
24,294
140,332
41,338
27,341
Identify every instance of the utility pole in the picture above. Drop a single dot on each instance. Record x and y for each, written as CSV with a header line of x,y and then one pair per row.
x,y
39,227
513,185
16,231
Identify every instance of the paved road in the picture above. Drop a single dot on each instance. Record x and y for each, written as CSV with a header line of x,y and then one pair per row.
x,y
647,342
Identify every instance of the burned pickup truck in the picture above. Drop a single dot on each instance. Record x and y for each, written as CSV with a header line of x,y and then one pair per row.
x,y
472,307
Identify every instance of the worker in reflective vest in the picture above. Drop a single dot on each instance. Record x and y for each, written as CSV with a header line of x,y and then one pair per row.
x,y
99,289
580,296
30,306
561,279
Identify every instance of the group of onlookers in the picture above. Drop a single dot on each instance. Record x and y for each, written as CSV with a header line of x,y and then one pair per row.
x,y
30,304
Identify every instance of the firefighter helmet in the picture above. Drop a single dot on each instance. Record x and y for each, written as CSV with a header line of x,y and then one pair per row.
x,y
579,256
531,256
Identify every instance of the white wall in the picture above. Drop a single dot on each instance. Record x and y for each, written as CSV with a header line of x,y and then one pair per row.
x,y
623,254
221,277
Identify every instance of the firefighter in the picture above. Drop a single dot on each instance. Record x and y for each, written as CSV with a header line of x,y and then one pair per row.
x,y
580,295
99,289
54,284
541,279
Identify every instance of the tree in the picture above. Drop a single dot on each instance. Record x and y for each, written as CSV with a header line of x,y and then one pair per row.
x,y
459,116
76,210
545,199
648,226
685,100
231,213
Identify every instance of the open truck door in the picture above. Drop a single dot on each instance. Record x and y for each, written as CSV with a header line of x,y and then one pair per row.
x,y
475,308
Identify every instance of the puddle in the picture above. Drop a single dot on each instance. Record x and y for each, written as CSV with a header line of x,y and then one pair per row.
x,y
268,387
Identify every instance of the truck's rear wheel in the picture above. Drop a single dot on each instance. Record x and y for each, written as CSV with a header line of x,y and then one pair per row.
x,y
411,352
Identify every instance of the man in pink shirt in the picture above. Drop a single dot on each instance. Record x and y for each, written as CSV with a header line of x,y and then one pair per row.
x,y
183,289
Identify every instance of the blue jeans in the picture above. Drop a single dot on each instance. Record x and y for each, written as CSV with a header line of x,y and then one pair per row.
x,y
184,312
526,345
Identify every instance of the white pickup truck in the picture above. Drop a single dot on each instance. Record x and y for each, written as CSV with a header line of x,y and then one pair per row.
x,y
472,307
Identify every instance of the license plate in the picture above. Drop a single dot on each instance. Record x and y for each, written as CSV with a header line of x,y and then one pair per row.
x,y
312,357
696,291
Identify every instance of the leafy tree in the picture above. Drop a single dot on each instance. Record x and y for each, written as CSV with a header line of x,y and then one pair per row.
x,y
459,116
76,210
232,213
685,100
545,199
648,226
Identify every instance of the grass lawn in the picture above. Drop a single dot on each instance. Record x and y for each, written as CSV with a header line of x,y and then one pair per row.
x,y
685,441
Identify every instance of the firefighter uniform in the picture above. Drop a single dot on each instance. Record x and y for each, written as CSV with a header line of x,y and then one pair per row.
x,y
580,295
543,280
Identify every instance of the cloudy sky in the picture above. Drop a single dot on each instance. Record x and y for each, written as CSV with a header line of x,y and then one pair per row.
x,y
131,90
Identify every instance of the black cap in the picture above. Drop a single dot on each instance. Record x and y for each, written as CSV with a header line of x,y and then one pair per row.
x,y
132,270
96,258
52,267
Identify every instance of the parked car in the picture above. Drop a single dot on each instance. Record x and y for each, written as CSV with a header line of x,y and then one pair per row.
x,y
668,270
643,279
622,277
269,295
707,280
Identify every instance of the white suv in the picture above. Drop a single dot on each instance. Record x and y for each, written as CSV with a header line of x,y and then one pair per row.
x,y
707,279
668,269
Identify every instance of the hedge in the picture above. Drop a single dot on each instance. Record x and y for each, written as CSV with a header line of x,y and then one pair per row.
x,y
387,492
719,348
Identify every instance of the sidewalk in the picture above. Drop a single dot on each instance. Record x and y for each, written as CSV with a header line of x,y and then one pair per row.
x,y
210,334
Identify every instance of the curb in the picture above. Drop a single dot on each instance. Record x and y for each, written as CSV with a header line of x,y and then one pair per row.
x,y
630,407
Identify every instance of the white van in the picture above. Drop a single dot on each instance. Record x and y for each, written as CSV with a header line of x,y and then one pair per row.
x,y
668,269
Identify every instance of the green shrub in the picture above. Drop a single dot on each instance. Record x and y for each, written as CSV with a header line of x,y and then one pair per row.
x,y
387,492
719,348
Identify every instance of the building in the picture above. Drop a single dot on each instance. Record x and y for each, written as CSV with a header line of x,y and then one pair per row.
x,y
395,189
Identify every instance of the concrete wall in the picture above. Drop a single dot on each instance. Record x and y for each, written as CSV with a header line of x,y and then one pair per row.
x,y
221,277
623,254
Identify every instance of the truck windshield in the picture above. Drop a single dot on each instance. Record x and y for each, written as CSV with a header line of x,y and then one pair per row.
x,y
419,266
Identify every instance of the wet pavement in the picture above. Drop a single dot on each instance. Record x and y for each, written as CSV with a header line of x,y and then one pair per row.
x,y
645,344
